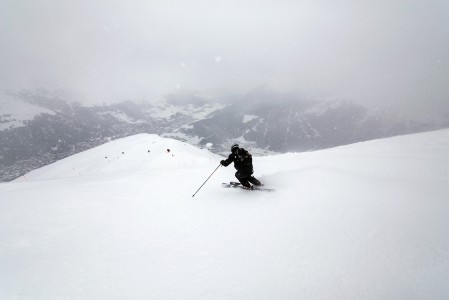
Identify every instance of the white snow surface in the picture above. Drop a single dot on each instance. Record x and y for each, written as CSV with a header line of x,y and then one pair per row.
x,y
14,112
248,118
364,221
162,110
123,117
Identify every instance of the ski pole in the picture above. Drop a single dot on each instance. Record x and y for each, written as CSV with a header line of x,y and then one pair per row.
x,y
206,180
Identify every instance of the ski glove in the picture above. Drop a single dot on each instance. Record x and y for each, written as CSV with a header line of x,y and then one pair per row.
x,y
222,162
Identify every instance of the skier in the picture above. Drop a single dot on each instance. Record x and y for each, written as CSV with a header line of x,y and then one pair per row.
x,y
243,163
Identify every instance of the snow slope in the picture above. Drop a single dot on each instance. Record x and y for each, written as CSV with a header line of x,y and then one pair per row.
x,y
364,221
14,113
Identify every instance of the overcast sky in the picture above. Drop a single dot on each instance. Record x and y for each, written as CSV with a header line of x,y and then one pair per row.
x,y
383,51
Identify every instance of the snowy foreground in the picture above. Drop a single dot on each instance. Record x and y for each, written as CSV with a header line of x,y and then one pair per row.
x,y
364,221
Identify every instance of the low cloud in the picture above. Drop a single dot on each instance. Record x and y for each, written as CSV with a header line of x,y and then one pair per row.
x,y
386,52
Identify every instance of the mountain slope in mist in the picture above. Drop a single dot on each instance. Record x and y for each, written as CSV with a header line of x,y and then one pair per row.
x,y
265,121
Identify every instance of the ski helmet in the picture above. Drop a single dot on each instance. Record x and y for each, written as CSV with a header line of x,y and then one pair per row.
x,y
234,148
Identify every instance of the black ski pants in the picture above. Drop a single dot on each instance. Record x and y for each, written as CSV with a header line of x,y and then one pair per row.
x,y
245,178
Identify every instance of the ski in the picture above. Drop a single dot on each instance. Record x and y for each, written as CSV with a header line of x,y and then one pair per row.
x,y
239,185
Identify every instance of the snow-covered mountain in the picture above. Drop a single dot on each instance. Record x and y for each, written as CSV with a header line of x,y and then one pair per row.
x,y
272,122
56,129
15,113
362,221
40,127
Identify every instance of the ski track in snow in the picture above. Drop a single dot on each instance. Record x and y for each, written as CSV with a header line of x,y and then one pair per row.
x,y
363,221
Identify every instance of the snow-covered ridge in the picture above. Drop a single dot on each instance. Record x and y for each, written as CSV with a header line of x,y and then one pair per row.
x,y
162,110
141,152
14,113
122,117
362,221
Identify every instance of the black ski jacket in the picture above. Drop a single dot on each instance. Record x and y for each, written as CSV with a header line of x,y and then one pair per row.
x,y
243,161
